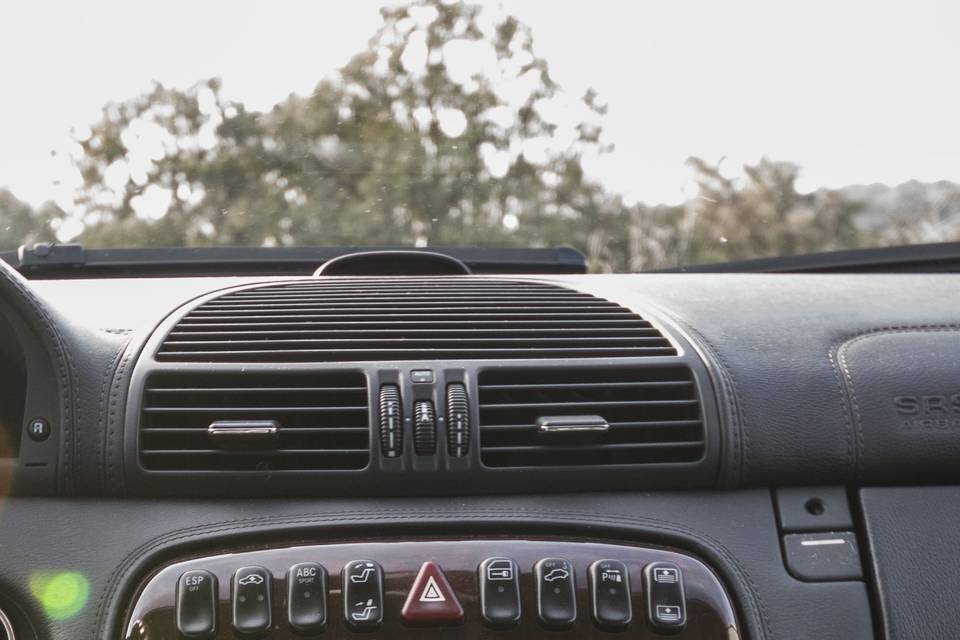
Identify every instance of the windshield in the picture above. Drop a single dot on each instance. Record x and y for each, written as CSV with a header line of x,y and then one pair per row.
x,y
646,135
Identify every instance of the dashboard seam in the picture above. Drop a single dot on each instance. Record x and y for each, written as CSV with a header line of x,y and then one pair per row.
x,y
106,431
116,484
757,611
739,468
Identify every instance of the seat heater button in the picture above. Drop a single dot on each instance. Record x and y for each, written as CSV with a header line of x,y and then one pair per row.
x,y
610,594
666,603
251,600
307,597
363,595
197,604
500,592
556,593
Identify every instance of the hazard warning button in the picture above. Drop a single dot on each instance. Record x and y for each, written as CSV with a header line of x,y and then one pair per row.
x,y
431,600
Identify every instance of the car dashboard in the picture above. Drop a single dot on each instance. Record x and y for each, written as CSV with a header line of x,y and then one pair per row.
x,y
693,456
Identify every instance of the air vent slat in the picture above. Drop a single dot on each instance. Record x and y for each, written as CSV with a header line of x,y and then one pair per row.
x,y
322,421
362,319
649,416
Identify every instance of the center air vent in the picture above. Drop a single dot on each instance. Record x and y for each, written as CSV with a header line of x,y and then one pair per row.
x,y
453,318
564,416
255,422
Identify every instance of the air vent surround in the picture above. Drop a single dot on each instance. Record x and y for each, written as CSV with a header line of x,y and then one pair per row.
x,y
648,416
387,319
427,375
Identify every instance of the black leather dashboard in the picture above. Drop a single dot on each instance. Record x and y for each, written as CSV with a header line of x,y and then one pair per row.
x,y
830,379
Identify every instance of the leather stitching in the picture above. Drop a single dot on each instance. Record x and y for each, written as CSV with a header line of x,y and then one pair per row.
x,y
731,393
116,392
848,389
757,609
103,439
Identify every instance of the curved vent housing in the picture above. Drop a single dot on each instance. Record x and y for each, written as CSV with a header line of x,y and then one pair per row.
x,y
314,421
652,416
382,319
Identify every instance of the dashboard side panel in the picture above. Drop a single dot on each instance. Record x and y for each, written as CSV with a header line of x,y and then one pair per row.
x,y
913,540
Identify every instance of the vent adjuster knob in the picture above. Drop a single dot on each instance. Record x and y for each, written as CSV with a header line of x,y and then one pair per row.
x,y
391,421
458,420
424,428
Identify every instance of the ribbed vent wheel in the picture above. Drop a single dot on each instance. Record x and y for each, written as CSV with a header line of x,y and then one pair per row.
x,y
391,421
425,428
458,420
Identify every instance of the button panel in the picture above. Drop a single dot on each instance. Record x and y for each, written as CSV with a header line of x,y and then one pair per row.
x,y
363,595
464,589
307,597
252,606
556,592
610,594
196,604
666,602
499,580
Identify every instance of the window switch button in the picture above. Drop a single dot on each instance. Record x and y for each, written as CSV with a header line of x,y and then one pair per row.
x,y
666,603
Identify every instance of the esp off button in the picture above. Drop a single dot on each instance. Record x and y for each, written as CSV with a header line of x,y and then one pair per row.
x,y
197,604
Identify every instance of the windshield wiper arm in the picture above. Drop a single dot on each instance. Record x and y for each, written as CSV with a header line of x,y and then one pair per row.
x,y
74,261
943,257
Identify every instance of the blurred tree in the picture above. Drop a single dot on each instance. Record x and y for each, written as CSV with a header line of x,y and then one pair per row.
x,y
22,224
413,142
439,133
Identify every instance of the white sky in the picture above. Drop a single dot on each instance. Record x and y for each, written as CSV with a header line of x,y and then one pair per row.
x,y
855,92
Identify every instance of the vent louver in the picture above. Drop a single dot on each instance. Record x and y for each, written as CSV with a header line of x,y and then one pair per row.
x,y
454,318
653,416
317,421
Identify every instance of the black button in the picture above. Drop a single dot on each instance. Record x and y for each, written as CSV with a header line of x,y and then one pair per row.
x,y
610,594
556,593
363,595
500,592
307,597
822,557
421,376
197,604
666,605
251,600
38,430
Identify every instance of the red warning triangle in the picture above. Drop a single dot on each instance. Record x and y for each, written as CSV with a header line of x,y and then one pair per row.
x,y
431,601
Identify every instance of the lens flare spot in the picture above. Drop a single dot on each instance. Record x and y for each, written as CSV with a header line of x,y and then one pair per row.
x,y
62,594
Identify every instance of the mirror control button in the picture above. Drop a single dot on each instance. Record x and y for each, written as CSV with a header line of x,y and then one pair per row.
x,y
197,604
556,593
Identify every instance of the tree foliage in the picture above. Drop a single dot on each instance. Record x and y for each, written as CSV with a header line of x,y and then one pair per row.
x,y
436,134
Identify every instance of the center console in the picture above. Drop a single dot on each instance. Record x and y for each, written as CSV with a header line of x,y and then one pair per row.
x,y
438,588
